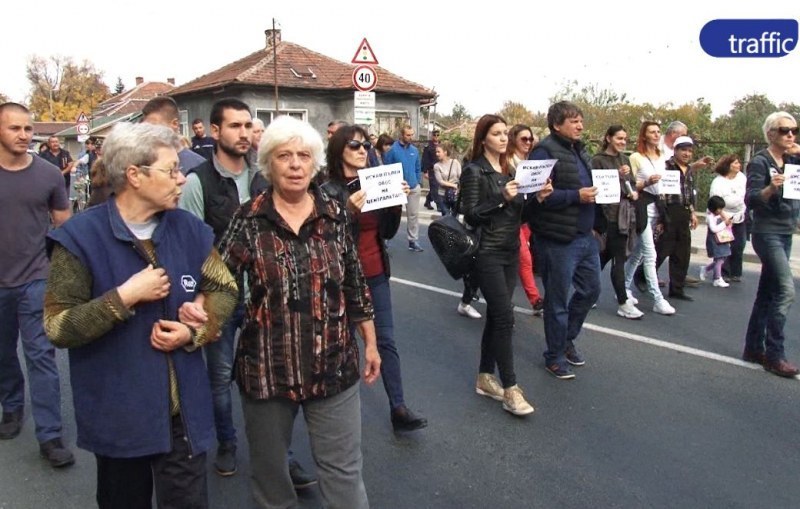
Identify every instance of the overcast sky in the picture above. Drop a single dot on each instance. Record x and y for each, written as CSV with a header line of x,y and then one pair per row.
x,y
479,56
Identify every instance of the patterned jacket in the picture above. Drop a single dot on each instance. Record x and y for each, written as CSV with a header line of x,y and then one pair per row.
x,y
304,291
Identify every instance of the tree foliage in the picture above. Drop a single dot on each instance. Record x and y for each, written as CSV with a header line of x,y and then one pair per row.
x,y
61,89
516,113
3,98
119,87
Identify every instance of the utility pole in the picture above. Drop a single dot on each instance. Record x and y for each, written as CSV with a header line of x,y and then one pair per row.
x,y
275,65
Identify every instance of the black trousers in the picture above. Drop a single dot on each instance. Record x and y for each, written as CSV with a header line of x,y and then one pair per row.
x,y
179,478
497,273
615,253
733,263
676,244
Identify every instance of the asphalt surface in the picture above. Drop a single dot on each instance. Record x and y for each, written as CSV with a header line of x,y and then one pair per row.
x,y
642,425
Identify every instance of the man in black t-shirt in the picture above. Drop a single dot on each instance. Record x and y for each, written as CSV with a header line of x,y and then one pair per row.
x,y
202,144
60,158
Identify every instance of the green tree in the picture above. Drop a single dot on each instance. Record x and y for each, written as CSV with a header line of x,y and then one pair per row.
x,y
3,98
61,89
119,87
516,113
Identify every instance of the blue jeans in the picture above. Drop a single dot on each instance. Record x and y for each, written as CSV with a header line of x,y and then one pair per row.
x,y
774,296
219,360
562,266
21,310
384,329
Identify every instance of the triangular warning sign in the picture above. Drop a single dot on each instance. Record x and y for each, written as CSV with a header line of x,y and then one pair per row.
x,y
82,119
364,54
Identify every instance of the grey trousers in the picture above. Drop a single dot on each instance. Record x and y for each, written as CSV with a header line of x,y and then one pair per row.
x,y
334,428
412,214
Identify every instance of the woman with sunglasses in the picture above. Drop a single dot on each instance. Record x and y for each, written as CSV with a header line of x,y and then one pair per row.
x,y
346,154
774,223
491,203
521,142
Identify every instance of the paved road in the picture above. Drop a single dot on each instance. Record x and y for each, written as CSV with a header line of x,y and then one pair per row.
x,y
663,415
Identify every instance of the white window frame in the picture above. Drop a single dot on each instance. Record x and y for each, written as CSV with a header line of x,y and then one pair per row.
x,y
183,122
378,129
267,115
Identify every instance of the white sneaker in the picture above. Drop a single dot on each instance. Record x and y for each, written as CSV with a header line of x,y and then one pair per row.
x,y
721,283
702,275
662,307
633,300
629,311
467,310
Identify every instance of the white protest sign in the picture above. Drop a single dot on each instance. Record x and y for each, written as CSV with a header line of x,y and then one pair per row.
x,y
607,184
532,175
791,183
383,185
670,182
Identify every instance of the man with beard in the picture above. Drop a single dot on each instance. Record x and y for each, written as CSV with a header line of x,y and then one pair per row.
x,y
213,192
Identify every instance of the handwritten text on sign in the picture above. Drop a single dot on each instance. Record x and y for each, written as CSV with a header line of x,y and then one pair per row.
x,y
383,185
791,183
607,184
670,182
532,175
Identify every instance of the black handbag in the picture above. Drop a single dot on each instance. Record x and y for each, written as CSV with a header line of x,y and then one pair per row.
x,y
454,242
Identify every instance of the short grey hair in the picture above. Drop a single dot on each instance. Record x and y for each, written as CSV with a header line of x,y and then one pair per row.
x,y
137,145
674,126
285,129
258,122
772,122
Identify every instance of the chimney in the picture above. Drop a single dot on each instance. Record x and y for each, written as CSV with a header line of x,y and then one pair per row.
x,y
171,81
270,33
139,80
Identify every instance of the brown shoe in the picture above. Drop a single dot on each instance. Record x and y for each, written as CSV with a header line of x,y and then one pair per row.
x,y
56,454
754,357
783,368
11,424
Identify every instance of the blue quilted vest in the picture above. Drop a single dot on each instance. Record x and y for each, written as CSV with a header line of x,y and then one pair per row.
x,y
120,384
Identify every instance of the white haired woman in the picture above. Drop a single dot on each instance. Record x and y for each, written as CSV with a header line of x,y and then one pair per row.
x,y
294,244
774,223
119,273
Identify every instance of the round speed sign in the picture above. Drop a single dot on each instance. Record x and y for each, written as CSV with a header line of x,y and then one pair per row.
x,y
364,78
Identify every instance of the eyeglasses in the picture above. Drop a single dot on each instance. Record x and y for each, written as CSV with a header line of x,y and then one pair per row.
x,y
526,139
786,130
173,172
355,145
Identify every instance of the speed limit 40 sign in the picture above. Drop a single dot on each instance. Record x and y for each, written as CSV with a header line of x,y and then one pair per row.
x,y
364,78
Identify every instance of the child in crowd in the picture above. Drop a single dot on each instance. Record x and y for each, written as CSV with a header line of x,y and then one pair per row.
x,y
718,240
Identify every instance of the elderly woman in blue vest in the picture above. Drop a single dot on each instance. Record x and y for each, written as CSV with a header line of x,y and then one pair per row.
x,y
295,245
120,272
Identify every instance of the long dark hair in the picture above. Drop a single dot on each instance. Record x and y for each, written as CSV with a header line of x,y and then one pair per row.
x,y
383,140
513,133
610,132
481,132
336,146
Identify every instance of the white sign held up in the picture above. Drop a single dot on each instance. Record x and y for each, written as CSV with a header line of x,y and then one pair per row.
x,y
607,184
791,183
383,185
670,182
532,175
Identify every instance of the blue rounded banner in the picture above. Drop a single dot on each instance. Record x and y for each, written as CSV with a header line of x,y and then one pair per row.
x,y
749,38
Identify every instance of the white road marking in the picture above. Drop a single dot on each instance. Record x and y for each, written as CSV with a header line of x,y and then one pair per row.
x,y
608,331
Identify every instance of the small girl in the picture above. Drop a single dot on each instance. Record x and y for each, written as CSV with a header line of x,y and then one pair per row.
x,y
719,224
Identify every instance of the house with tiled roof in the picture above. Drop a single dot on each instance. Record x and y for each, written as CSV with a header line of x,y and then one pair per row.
x,y
311,86
133,100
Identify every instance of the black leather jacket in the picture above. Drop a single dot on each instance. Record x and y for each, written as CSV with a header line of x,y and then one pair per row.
x,y
484,206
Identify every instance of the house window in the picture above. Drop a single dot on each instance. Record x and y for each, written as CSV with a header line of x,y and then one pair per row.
x,y
184,122
390,122
267,116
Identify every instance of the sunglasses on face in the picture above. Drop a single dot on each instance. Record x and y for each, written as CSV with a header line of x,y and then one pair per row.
x,y
526,139
355,145
786,130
